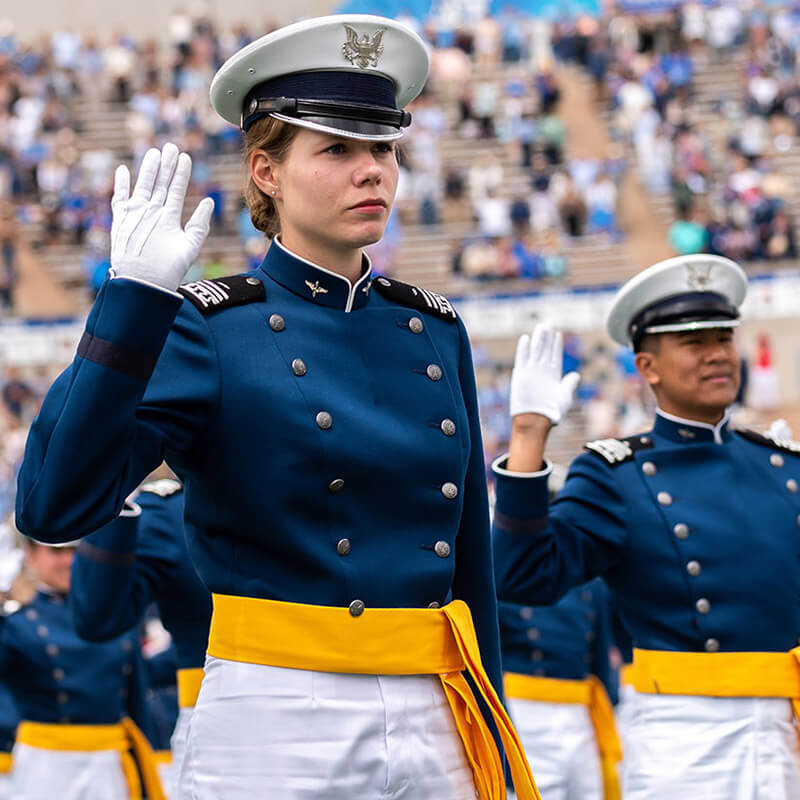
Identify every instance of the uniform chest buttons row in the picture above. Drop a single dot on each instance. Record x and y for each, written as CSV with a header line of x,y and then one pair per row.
x,y
681,530
694,568
450,490
434,604
356,608
343,547
448,427
277,322
324,420
59,674
434,372
415,325
442,549
791,485
299,367
703,606
776,459
51,650
665,498
711,645
649,468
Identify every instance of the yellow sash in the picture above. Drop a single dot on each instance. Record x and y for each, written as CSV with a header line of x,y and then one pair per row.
x,y
189,681
590,693
382,641
124,737
5,763
626,675
719,674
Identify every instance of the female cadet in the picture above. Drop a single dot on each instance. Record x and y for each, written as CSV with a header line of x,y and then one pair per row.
x,y
324,423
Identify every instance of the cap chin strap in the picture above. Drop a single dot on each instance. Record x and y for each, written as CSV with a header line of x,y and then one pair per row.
x,y
699,325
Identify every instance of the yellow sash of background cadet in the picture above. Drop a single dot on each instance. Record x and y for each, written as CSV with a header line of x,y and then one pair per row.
x,y
124,737
590,693
382,641
719,674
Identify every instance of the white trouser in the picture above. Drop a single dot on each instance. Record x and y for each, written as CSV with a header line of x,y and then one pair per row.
x,y
288,734
5,787
711,748
67,775
561,747
178,747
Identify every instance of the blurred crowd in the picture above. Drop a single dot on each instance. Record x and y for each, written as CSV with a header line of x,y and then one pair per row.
x,y
729,197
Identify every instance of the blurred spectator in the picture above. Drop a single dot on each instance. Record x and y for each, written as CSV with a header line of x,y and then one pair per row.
x,y
572,209
9,243
689,235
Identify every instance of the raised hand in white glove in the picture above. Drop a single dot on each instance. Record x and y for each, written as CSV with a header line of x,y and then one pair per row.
x,y
780,431
147,241
537,386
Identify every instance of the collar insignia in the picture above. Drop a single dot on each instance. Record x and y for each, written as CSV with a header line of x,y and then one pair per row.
x,y
363,52
316,288
698,276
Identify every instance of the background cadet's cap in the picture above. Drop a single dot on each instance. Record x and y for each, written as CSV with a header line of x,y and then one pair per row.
x,y
348,74
680,294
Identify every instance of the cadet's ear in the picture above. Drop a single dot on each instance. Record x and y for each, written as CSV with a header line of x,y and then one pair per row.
x,y
647,366
264,173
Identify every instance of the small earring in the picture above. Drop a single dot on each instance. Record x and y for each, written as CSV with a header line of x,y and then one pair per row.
x,y
273,193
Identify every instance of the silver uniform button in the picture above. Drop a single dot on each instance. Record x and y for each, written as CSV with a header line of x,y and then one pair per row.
x,y
357,608
32,615
711,645
681,530
59,674
776,459
665,498
791,485
343,547
537,655
62,697
434,372
534,634
253,281
526,612
51,650
434,604
702,606
324,420
448,427
415,325
336,485
450,490
299,367
42,630
276,322
649,468
694,568
442,549
644,439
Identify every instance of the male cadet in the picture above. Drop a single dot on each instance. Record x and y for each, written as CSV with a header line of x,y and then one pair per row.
x,y
694,527
119,571
77,700
559,686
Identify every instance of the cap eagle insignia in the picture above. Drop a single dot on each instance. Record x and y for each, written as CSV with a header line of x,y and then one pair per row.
x,y
365,51
698,276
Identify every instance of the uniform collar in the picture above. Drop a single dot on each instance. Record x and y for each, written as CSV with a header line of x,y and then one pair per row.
x,y
688,430
314,283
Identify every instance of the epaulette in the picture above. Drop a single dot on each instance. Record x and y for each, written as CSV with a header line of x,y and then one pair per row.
x,y
421,299
618,451
164,487
786,445
219,293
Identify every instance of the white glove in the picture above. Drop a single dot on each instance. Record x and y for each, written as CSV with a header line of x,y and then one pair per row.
x,y
536,383
780,431
147,241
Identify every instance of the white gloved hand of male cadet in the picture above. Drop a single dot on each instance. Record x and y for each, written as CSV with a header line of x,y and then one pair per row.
x,y
537,385
148,243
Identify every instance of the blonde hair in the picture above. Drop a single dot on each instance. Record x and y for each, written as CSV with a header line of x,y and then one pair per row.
x,y
274,137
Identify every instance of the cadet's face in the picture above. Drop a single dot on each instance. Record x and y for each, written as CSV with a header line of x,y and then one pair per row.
x,y
334,192
52,565
693,374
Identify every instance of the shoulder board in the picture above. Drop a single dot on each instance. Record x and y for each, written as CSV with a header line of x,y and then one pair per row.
x,y
165,487
786,445
213,295
413,296
618,451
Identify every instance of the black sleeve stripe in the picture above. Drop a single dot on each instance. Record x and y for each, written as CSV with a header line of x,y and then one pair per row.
x,y
92,553
526,526
115,357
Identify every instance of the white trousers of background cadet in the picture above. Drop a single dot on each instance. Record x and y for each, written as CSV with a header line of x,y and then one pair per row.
x,y
66,775
288,734
560,743
178,747
5,787
711,748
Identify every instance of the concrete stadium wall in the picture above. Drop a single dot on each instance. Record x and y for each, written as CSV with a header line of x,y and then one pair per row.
x,y
147,18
